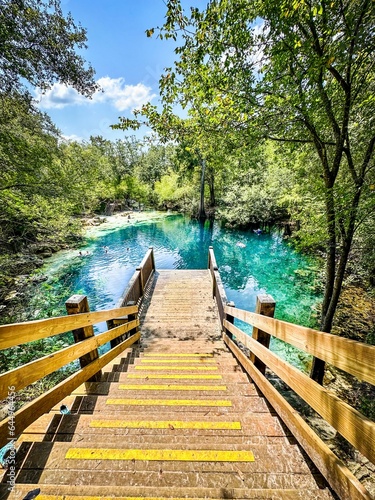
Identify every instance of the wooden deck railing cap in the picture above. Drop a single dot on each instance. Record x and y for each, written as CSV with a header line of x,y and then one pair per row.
x,y
265,298
74,299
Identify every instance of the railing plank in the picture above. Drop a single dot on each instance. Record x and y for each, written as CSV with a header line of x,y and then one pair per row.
x,y
352,356
21,333
339,477
352,425
31,411
35,370
212,260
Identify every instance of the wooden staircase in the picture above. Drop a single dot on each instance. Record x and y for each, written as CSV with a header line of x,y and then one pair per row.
x,y
173,417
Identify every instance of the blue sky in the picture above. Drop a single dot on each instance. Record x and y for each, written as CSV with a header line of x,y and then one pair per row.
x,y
128,66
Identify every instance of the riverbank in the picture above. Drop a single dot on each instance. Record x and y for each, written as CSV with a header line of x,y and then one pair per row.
x,y
100,224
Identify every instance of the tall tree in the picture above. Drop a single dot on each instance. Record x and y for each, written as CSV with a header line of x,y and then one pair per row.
x,y
38,45
299,72
37,48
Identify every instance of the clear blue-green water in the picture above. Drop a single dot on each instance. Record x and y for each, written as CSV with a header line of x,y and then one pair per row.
x,y
249,264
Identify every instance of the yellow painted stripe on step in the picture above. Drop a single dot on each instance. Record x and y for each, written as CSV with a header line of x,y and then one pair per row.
x,y
150,360
171,368
175,355
168,402
164,424
82,497
168,455
177,377
172,387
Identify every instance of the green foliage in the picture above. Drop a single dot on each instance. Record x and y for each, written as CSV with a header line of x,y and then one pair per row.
x,y
132,189
299,73
171,194
250,206
38,44
155,162
260,190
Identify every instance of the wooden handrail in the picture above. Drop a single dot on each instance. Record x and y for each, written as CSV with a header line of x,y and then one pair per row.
x,y
21,333
27,374
337,474
143,273
352,425
85,349
351,356
35,370
147,257
33,410
218,290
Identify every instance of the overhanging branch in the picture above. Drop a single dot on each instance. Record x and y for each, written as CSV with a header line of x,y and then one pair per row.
x,y
298,141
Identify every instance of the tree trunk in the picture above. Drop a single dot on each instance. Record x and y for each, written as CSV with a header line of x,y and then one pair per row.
x,y
335,275
211,184
202,213
318,365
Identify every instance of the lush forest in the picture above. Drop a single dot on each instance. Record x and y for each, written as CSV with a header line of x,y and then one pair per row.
x,y
278,129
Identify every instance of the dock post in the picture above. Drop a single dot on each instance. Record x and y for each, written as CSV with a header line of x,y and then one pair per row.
x,y
78,304
265,305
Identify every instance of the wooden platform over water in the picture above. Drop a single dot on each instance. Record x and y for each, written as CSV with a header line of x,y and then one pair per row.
x,y
174,416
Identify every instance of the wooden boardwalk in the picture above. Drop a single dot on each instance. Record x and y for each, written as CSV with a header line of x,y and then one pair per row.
x,y
175,416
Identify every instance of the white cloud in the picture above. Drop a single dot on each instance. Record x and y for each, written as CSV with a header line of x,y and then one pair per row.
x,y
113,91
122,96
59,96
71,138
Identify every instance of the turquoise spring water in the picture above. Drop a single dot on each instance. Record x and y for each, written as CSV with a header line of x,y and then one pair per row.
x,y
249,264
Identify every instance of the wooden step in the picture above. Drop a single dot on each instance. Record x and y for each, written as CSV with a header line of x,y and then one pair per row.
x,y
193,363
147,354
142,381
65,458
71,492
55,427
90,404
171,479
226,377
152,389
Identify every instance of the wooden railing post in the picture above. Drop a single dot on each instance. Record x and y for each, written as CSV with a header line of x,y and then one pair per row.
x,y
230,319
265,305
141,281
209,256
152,258
132,317
212,266
77,304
